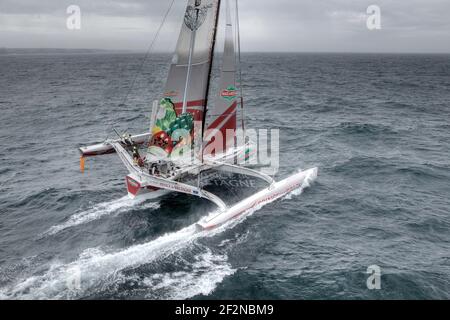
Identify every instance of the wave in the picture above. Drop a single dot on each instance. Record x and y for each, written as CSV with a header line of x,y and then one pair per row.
x,y
358,165
4,170
365,128
94,266
98,211
425,171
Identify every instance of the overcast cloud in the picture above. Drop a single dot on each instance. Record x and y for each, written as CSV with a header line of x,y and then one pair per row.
x,y
266,25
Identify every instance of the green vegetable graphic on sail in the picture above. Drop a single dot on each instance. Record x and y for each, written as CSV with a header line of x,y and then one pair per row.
x,y
180,131
184,121
166,115
171,132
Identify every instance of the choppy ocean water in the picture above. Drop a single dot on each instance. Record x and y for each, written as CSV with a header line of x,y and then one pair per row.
x,y
377,126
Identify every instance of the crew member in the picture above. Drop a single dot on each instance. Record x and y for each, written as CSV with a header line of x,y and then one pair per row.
x,y
136,156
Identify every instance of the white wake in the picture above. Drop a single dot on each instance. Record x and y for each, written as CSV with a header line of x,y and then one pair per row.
x,y
100,210
94,266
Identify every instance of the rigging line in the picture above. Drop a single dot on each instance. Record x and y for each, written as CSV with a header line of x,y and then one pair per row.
x,y
238,28
147,54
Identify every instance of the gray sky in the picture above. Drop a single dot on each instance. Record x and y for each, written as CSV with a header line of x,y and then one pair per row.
x,y
266,25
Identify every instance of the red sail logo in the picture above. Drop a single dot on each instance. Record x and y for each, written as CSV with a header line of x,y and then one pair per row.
x,y
229,93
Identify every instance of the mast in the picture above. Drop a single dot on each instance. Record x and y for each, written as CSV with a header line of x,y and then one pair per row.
x,y
210,66
208,86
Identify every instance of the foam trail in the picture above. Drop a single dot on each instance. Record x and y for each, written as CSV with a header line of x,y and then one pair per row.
x,y
208,270
94,265
98,211
306,184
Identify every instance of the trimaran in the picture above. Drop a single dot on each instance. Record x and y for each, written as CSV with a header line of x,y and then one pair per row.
x,y
182,144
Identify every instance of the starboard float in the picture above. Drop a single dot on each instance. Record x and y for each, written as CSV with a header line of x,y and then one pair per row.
x,y
190,136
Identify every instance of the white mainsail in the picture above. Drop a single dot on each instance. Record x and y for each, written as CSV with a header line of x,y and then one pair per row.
x,y
187,86
191,64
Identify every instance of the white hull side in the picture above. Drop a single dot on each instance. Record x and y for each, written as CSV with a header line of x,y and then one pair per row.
x,y
276,191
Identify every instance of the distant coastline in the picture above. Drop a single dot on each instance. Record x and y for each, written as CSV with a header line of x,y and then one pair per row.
x,y
53,51
66,51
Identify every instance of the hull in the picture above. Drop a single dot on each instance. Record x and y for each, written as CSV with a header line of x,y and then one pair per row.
x,y
106,148
276,191
135,189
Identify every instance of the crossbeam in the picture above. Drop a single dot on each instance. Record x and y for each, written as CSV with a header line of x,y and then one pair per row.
x,y
240,170
147,180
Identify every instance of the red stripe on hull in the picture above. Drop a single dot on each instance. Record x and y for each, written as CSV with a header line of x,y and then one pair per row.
x,y
133,186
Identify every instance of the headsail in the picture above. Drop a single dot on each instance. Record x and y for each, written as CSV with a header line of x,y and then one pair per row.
x,y
223,114
186,89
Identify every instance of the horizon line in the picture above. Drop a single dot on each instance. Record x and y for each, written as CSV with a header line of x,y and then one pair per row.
x,y
246,51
